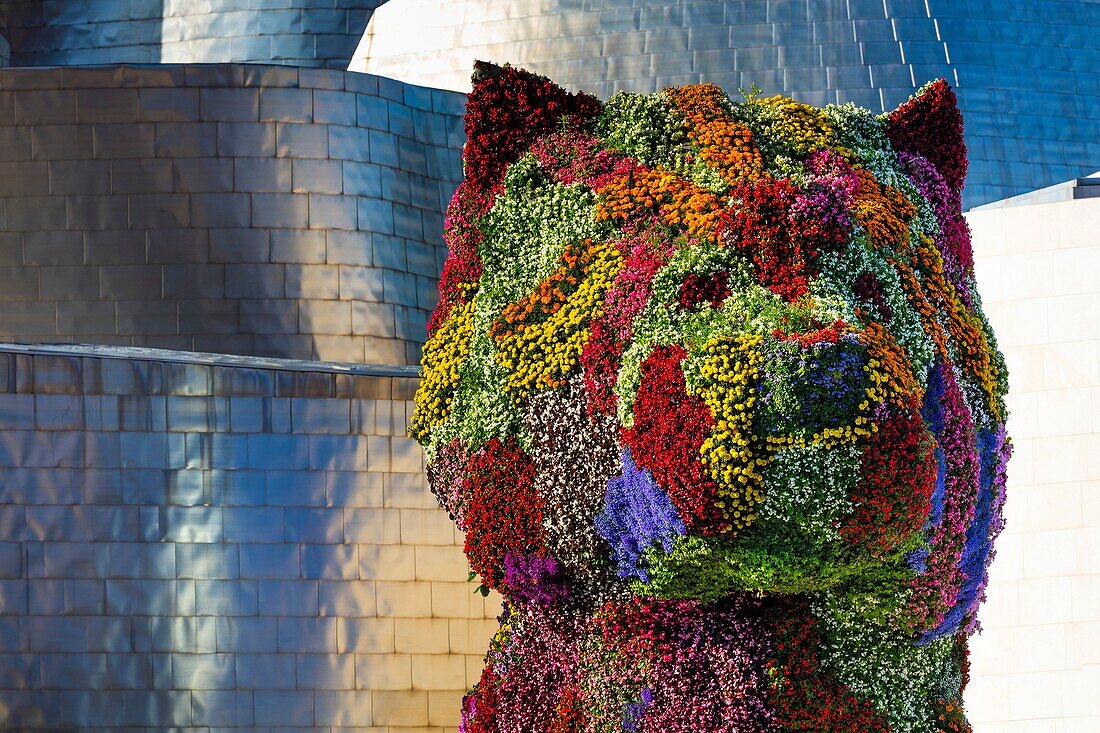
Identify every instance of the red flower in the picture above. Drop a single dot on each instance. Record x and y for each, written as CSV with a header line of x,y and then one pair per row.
x,y
783,245
894,494
930,124
503,509
696,289
811,698
507,110
462,271
644,254
669,429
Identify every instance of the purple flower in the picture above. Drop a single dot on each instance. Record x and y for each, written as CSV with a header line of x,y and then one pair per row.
x,y
633,713
937,590
535,578
829,191
954,239
469,712
978,551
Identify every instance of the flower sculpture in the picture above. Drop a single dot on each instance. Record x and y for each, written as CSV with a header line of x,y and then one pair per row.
x,y
711,394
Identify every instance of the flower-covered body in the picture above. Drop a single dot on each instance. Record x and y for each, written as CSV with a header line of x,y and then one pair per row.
x,y
710,392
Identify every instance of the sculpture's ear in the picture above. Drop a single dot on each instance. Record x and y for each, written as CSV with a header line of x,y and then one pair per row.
x,y
931,125
507,110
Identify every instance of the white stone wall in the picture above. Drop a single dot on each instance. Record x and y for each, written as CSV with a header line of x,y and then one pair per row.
x,y
1036,667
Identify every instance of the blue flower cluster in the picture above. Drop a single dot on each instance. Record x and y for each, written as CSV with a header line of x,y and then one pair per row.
x,y
637,514
932,412
633,712
806,389
978,545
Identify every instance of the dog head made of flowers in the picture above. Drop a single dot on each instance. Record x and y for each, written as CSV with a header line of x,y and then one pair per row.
x,y
687,347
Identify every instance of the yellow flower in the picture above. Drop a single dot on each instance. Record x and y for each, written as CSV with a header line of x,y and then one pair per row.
x,y
540,338
724,144
444,353
733,452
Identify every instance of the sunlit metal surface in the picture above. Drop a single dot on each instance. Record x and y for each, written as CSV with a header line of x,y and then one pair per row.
x,y
1025,71
244,368
192,542
302,33
242,209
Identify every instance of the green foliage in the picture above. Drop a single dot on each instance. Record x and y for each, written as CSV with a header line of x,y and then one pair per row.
x,y
857,129
752,94
836,284
750,308
705,568
648,128
778,150
808,495
644,127
482,409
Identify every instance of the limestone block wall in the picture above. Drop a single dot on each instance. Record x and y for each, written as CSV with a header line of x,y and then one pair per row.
x,y
1024,72
298,32
1036,666
196,543
242,209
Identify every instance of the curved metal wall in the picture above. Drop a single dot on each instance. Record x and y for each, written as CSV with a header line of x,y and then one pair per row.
x,y
49,32
258,210
1025,72
194,546
299,32
302,33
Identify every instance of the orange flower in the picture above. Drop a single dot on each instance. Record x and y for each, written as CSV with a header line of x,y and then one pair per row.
x,y
677,202
889,367
540,337
724,144
915,292
966,329
884,212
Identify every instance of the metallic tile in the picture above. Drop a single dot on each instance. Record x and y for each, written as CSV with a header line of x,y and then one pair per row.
x,y
290,708
259,524
269,560
285,599
331,562
164,198
246,139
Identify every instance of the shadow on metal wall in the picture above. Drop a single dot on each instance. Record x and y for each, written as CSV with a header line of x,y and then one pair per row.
x,y
56,32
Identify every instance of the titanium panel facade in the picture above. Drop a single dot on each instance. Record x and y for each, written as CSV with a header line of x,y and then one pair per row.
x,y
1025,72
193,544
297,32
242,209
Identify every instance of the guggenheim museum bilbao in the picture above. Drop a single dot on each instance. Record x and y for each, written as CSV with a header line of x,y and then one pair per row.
x,y
220,238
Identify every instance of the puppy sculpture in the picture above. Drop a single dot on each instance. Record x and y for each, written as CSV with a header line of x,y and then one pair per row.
x,y
710,392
